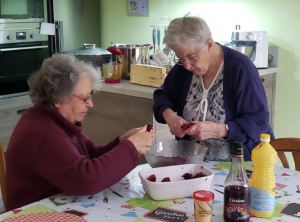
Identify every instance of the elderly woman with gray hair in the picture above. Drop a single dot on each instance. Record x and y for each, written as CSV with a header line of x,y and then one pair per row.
x,y
48,152
213,94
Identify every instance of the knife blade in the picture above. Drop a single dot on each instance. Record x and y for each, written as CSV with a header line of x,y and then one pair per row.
x,y
115,192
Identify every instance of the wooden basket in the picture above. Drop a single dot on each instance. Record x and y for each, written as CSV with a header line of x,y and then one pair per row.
x,y
147,75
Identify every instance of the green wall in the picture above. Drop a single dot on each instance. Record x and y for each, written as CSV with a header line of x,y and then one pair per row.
x,y
279,18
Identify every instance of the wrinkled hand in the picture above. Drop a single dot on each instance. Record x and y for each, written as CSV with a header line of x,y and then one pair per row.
x,y
203,130
141,139
129,133
175,124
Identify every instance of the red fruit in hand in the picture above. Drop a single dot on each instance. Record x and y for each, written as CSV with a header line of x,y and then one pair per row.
x,y
149,127
187,125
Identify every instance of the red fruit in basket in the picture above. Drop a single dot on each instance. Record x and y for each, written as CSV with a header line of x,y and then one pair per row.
x,y
187,176
152,178
199,175
166,179
149,127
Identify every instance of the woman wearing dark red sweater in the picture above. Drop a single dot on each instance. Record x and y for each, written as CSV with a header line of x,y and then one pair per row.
x,y
48,152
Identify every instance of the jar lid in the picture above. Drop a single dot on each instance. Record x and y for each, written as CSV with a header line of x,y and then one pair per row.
x,y
203,195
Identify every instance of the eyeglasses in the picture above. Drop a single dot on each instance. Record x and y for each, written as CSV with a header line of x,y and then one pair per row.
x,y
86,99
191,58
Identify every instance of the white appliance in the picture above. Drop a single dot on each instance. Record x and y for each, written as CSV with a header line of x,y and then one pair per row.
x,y
260,59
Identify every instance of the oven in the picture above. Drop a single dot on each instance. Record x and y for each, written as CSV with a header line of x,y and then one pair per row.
x,y
22,51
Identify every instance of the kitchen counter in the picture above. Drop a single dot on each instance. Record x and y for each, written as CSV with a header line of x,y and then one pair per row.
x,y
129,89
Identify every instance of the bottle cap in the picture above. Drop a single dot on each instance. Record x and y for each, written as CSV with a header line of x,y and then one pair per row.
x,y
265,137
203,195
238,149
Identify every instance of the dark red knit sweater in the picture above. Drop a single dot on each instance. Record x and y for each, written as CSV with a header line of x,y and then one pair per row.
x,y
48,155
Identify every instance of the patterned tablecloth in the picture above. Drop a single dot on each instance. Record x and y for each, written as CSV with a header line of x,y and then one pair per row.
x,y
127,201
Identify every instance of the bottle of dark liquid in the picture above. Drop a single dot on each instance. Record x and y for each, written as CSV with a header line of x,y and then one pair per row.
x,y
237,190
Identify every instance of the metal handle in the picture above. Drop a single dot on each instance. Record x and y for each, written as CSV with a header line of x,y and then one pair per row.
x,y
21,111
23,48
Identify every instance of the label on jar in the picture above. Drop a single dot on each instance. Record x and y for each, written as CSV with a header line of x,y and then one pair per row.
x,y
203,211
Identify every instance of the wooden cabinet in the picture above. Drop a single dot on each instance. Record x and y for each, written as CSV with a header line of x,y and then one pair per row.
x,y
114,114
11,110
269,83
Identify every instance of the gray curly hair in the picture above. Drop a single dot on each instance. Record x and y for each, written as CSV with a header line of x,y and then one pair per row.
x,y
56,79
185,31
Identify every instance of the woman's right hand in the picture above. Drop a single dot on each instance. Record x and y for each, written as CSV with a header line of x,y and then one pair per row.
x,y
174,122
142,140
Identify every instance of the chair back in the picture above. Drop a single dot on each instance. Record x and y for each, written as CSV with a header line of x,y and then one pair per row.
x,y
289,144
2,173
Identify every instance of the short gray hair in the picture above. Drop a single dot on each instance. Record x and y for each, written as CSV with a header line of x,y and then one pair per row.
x,y
185,31
56,79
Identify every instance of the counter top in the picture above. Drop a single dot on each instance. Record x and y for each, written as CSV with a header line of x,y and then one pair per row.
x,y
127,88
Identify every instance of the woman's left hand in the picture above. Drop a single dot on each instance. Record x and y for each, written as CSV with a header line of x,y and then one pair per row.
x,y
203,130
131,132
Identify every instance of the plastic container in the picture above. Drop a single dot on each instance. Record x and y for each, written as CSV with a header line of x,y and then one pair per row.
x,y
178,187
203,205
237,189
263,182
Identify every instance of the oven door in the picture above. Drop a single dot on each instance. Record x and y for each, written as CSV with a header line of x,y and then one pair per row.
x,y
17,62
21,10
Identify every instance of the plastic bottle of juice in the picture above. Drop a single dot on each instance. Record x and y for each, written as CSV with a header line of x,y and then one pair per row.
x,y
263,182
237,189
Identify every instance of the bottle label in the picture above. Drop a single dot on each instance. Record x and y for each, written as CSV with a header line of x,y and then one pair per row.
x,y
262,200
236,203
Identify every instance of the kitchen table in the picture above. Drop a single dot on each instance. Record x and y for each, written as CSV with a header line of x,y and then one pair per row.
x,y
127,201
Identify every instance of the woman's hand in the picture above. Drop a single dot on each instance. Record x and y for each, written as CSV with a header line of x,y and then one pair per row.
x,y
129,133
203,130
175,123
141,139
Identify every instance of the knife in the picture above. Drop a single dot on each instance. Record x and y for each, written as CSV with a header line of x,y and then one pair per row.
x,y
115,192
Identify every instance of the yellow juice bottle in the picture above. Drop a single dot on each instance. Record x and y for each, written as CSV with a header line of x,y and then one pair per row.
x,y
263,182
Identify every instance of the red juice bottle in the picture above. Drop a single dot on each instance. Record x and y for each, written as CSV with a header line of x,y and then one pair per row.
x,y
237,190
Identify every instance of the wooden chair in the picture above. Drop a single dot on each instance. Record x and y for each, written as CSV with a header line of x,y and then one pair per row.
x,y
282,145
2,173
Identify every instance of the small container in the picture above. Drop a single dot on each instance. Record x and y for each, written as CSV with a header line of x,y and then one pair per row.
x,y
203,205
112,72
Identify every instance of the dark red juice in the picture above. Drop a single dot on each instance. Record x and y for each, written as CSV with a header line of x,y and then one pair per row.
x,y
236,203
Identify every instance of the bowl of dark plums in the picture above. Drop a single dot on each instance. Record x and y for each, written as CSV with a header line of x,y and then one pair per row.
x,y
175,152
178,181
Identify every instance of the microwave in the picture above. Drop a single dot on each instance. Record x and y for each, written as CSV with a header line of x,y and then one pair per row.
x,y
21,11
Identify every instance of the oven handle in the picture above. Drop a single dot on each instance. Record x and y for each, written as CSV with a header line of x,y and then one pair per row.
x,y
23,48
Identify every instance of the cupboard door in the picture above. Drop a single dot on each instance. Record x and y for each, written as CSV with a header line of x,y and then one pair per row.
x,y
10,112
269,83
114,114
